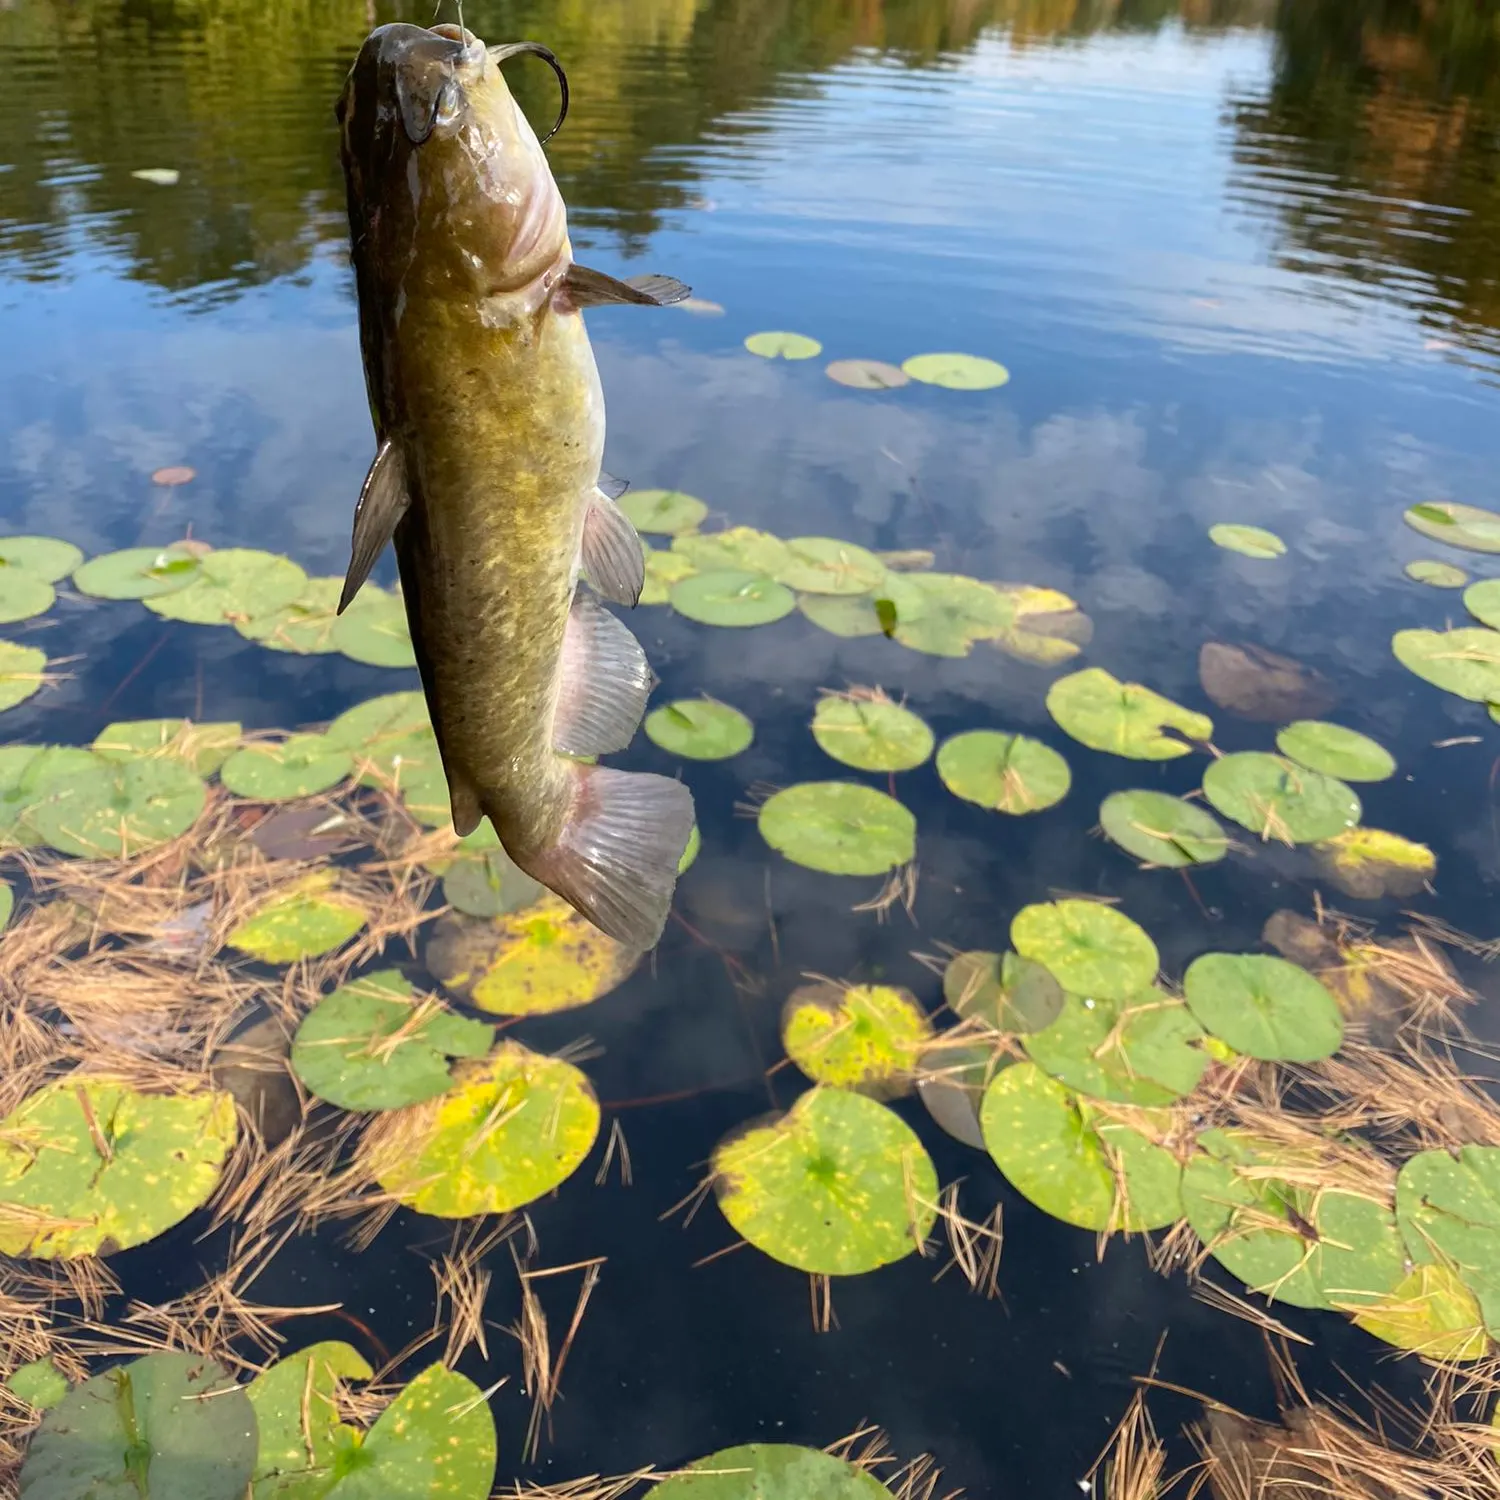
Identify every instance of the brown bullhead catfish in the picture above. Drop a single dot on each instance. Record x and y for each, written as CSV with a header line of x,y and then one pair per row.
x,y
489,420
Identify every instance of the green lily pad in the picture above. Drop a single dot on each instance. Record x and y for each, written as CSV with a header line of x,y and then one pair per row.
x,y
373,630
1124,718
839,827
740,549
1009,773
955,612
7,902
825,565
690,853
1440,575
368,1046
867,374
1147,1050
23,595
39,1384
542,958
307,918
305,626
138,572
1006,991
957,372
733,599
487,884
45,557
869,732
1466,526
1089,948
114,811
1482,600
770,1471
234,583
298,766
700,729
1248,541
663,512
513,1127
1264,1007
1370,863
864,1037
22,673
779,345
896,600
1431,1312
204,747
301,1438
1162,830
1448,1207
1276,799
663,569
836,1186
1074,1161
389,719
164,1427
1465,661
26,774
1336,751
68,1189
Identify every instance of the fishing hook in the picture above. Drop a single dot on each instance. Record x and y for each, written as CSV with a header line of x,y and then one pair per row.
x,y
514,49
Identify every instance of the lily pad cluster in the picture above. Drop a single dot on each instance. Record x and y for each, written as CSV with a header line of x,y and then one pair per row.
x,y
956,372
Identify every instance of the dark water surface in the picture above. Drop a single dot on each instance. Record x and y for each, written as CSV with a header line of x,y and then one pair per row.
x,y
1240,260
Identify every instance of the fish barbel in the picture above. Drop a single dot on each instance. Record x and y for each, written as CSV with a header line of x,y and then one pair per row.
x,y
489,420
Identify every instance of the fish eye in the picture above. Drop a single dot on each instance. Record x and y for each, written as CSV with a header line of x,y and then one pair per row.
x,y
450,102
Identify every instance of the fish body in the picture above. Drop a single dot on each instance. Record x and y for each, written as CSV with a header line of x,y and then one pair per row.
x,y
490,421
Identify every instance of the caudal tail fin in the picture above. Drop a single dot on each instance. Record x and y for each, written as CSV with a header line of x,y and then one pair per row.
x,y
617,857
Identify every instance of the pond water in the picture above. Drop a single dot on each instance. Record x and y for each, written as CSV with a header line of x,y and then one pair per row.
x,y
1238,261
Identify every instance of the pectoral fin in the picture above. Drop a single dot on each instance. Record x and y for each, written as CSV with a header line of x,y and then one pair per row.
x,y
612,555
605,682
586,288
383,500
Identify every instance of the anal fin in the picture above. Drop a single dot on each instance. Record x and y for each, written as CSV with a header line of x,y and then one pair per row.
x,y
586,288
383,500
605,682
612,555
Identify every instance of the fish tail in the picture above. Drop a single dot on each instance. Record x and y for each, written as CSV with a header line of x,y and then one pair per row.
x,y
617,855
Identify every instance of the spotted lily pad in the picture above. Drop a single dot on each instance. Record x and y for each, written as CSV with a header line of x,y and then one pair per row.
x,y
771,1471
1448,1207
39,1384
204,747
740,549
779,345
1162,830
45,557
731,598
864,1037
1466,526
1089,948
113,811
373,630
297,766
23,595
663,512
369,1045
1440,575
1074,1160
1465,661
138,572
90,1178
1276,799
305,626
1264,1007
958,372
1124,718
230,584
1006,991
867,374
309,917
513,1127
301,1438
836,1186
22,672
486,883
537,959
1336,751
895,601
825,565
1431,1312
700,729
1009,773
1249,541
26,773
1370,863
956,611
663,569
389,719
839,827
866,730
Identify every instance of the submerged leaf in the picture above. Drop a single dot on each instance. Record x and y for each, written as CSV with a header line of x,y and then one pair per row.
x,y
1124,718
1370,863
1089,948
1007,773
700,729
21,673
1162,830
864,1037
958,372
867,731
1276,799
839,827
1007,992
1258,684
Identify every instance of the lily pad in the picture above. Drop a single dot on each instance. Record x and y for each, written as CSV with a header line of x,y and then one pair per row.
x,y
389,719
1006,991
956,611
779,345
700,729
957,372
487,884
1370,863
39,1384
45,557
894,601
864,1037
1264,1006
732,599
663,512
1162,830
825,565
663,569
513,1127
951,1083
869,732
22,671
301,1437
93,1180
23,595
1009,773
1248,541
368,1046
1440,575
309,917
539,959
167,1427
1336,751
204,747
1089,948
138,572
305,626
690,853
298,766
1465,661
230,584
1049,627
7,902
867,374
1448,1207
1124,718
1075,1161
26,774
113,811
739,549
1431,1312
771,1471
1466,526
373,630
839,827
836,1186
1482,600
1276,799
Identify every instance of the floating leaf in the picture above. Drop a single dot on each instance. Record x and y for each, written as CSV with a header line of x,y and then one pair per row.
x,y
663,569
45,557
487,884
1049,627
305,626
235,582
836,1186
23,595
368,1046
864,1037
373,630
734,599
21,672
138,572
1276,799
958,372
161,176
839,827
955,612
1466,526
700,729
1007,992
1264,1007
1249,541
1465,661
26,774
174,474
1448,1207
740,549
690,853
867,374
1431,1312
1370,863
663,512
7,902
1007,773
770,1471
825,565
1336,751
40,1384
1440,575
1258,684
951,1082
780,345
307,918
1089,948
298,766
1124,718
1482,600
203,747
869,732
164,1427
91,1180
894,601
1162,830
513,1127
542,958
301,1438
1075,1160
371,726
113,811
